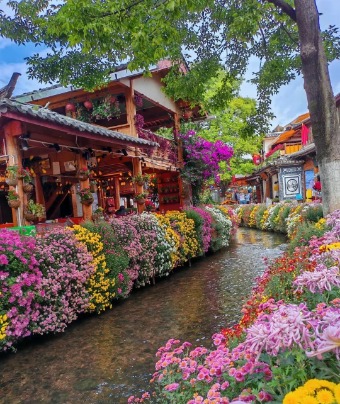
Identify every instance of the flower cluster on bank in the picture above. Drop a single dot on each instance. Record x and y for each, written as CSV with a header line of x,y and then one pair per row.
x,y
298,221
286,346
47,281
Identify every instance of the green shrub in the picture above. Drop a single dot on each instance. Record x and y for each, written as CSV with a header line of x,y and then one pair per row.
x,y
280,223
199,221
259,215
313,213
116,258
304,234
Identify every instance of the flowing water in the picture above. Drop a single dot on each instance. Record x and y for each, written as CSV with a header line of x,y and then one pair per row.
x,y
106,358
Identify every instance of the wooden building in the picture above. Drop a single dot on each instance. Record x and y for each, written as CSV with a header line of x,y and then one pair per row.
x,y
58,133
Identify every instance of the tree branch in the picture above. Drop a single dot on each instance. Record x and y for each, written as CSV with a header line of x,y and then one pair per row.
x,y
285,7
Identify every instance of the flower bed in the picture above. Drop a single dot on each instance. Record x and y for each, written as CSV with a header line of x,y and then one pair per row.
x,y
46,282
283,217
286,347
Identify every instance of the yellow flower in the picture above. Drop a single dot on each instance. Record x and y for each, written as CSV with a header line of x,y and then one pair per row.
x,y
314,391
308,400
325,396
337,393
99,283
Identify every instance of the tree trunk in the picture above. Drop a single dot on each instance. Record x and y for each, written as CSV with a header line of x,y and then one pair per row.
x,y
321,103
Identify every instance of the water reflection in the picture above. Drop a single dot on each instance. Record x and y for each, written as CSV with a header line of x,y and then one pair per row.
x,y
106,358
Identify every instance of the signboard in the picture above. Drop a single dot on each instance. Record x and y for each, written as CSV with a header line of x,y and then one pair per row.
x,y
290,180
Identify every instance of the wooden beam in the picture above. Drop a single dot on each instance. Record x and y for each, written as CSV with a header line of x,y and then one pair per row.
x,y
87,209
131,109
137,169
10,130
117,192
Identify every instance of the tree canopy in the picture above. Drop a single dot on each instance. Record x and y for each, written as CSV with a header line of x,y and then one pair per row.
x,y
89,38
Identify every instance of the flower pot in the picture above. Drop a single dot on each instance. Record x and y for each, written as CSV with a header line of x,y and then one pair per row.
x,y
87,202
27,188
12,181
141,201
14,203
41,219
30,217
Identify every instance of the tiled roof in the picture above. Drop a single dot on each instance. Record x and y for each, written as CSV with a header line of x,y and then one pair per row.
x,y
45,114
300,118
285,136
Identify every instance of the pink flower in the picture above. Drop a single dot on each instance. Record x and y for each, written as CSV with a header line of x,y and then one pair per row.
x,y
172,387
327,341
3,259
321,279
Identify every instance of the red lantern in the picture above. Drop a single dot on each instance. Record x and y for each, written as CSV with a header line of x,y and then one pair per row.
x,y
88,105
256,159
69,107
187,114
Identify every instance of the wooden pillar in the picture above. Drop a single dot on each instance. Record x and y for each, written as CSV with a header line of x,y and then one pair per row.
x,y
137,169
87,210
117,192
131,109
12,130
39,193
180,163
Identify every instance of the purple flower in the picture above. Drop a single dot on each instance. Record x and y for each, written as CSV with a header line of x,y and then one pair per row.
x,y
321,279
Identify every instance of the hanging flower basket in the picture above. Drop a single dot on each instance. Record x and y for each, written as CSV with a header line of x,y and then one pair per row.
x,y
27,188
140,198
30,217
12,181
14,203
87,202
86,197
83,174
141,179
34,212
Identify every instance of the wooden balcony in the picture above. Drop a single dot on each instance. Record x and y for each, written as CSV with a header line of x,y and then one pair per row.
x,y
292,148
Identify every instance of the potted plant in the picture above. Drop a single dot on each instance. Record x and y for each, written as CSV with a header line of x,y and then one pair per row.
x,y
140,198
86,197
13,199
12,175
26,177
83,114
83,173
34,212
141,179
106,108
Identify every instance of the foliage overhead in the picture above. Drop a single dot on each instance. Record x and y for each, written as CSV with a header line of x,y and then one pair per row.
x,y
88,39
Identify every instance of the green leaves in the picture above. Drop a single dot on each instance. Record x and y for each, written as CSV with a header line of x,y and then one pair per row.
x,y
89,38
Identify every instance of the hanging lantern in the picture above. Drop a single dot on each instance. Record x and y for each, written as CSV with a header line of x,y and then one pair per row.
x,y
69,107
256,159
88,105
